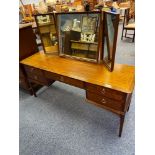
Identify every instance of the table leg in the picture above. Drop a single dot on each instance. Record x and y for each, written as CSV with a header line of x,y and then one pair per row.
x,y
33,92
122,34
129,103
128,107
122,117
133,37
125,32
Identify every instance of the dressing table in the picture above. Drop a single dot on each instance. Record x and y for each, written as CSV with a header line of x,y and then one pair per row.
x,y
108,90
107,85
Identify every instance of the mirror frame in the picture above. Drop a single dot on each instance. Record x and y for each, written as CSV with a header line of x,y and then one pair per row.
x,y
105,35
96,60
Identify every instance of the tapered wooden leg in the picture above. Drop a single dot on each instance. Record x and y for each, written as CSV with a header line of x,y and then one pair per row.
x,y
30,92
129,102
133,37
122,34
125,32
33,92
128,108
122,117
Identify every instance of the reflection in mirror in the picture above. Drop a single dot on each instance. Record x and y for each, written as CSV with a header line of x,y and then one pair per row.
x,y
78,35
47,30
110,29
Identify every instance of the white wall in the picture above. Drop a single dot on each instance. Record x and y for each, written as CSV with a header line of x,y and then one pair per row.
x,y
30,1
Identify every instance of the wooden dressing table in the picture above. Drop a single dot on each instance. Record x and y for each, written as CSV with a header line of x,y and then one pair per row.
x,y
108,90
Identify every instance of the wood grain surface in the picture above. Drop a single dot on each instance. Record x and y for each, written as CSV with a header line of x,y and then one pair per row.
x,y
121,79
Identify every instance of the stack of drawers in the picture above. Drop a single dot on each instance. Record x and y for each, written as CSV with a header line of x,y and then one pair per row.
x,y
22,80
36,75
113,100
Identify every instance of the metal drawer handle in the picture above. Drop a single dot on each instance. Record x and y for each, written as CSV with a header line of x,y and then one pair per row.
x,y
103,101
32,69
36,77
103,91
61,78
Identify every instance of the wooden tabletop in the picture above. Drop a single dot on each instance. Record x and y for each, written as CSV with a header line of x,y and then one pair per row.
x,y
121,79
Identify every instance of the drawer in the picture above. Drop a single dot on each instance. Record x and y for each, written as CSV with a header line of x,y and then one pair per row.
x,y
72,82
52,76
21,74
113,104
39,79
113,94
36,75
23,83
31,71
64,79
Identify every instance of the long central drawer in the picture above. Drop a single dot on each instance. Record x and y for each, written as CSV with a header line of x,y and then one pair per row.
x,y
64,79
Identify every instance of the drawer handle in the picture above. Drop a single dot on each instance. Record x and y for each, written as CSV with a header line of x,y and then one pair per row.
x,y
103,91
35,77
103,101
61,78
32,69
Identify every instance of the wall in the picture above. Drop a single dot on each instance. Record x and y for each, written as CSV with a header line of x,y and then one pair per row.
x,y
29,1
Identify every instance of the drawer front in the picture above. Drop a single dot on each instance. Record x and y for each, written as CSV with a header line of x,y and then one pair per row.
x,y
23,83
52,76
21,74
72,82
64,79
36,75
31,71
38,78
113,104
113,94
40,81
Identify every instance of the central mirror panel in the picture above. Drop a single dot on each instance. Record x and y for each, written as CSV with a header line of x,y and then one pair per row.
x,y
78,35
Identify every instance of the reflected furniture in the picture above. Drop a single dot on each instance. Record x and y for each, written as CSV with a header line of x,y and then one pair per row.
x,y
78,35
26,12
92,3
128,26
108,90
47,31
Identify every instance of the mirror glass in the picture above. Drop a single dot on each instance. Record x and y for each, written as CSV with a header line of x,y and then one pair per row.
x,y
48,34
106,52
78,35
110,29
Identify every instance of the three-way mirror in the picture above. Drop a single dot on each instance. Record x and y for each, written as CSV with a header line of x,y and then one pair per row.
x,y
89,36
